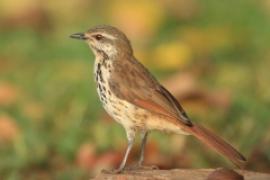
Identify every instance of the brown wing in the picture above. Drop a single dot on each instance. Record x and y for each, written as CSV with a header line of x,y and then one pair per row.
x,y
132,82
177,107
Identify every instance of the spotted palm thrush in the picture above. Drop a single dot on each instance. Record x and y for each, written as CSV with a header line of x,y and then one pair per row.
x,y
134,98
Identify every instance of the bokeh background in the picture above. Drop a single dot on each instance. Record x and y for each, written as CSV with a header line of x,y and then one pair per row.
x,y
212,55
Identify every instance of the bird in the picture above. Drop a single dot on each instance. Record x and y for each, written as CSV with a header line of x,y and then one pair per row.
x,y
133,97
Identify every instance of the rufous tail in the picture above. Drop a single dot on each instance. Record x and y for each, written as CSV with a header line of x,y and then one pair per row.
x,y
218,144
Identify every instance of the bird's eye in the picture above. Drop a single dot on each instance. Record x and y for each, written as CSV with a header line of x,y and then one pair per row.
x,y
98,37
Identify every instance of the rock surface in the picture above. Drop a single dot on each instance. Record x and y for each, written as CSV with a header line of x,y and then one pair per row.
x,y
185,174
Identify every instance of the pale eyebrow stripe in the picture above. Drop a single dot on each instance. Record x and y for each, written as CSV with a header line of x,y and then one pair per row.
x,y
108,36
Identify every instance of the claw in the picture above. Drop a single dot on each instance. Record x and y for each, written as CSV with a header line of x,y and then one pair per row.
x,y
113,171
142,167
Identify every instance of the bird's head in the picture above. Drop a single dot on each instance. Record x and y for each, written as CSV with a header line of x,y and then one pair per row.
x,y
106,39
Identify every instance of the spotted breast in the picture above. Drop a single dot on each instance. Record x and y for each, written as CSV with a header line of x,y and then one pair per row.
x,y
120,110
131,117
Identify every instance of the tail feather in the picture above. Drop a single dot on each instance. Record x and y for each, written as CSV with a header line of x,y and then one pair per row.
x,y
218,144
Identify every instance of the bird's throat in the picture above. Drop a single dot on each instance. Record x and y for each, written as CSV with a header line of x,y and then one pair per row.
x,y
100,55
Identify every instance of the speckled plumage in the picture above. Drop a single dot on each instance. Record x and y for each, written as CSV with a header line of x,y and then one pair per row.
x,y
132,117
135,99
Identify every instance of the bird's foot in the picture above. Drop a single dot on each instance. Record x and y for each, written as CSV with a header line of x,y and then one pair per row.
x,y
142,167
130,168
112,171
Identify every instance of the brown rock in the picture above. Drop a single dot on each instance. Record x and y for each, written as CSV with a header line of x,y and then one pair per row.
x,y
224,174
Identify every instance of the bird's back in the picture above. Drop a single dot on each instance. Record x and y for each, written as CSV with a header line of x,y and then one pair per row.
x,y
138,83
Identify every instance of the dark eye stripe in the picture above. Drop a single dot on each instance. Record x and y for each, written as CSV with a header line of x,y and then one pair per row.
x,y
98,37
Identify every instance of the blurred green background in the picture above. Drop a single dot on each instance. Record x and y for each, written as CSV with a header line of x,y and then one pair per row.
x,y
213,55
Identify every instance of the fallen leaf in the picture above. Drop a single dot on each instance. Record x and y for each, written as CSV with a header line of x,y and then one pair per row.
x,y
9,130
86,156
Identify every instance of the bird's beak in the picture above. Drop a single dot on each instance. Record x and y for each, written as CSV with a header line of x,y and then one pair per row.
x,y
80,36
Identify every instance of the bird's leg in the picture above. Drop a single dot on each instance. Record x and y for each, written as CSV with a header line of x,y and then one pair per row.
x,y
139,164
144,139
131,138
123,163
